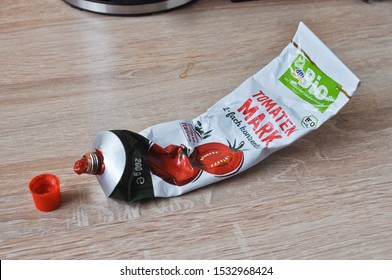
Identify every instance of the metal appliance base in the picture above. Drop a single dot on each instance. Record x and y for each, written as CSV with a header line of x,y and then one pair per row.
x,y
124,9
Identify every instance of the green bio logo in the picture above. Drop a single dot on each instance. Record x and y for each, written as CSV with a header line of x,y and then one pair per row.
x,y
311,84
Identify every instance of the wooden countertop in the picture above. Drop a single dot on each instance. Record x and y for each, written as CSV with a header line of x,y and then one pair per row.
x,y
68,74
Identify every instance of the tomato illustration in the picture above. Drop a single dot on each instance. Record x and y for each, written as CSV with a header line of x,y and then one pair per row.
x,y
217,158
172,164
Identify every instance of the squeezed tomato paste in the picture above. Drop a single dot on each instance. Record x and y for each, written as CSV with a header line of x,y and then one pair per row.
x,y
291,96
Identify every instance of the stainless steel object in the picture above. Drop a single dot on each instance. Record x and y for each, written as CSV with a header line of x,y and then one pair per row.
x,y
126,7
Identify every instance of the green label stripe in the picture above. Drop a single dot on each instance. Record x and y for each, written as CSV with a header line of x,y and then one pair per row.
x,y
311,84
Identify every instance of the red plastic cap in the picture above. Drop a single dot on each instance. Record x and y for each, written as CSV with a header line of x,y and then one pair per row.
x,y
45,189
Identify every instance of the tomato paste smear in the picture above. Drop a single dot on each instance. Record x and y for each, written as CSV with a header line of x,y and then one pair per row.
x,y
81,166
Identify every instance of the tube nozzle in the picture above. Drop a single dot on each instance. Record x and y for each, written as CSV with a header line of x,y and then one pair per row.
x,y
90,163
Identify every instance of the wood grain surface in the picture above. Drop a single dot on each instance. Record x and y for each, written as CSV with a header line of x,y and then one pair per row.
x,y
68,74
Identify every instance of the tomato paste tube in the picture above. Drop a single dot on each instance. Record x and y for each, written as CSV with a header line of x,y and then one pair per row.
x,y
294,94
